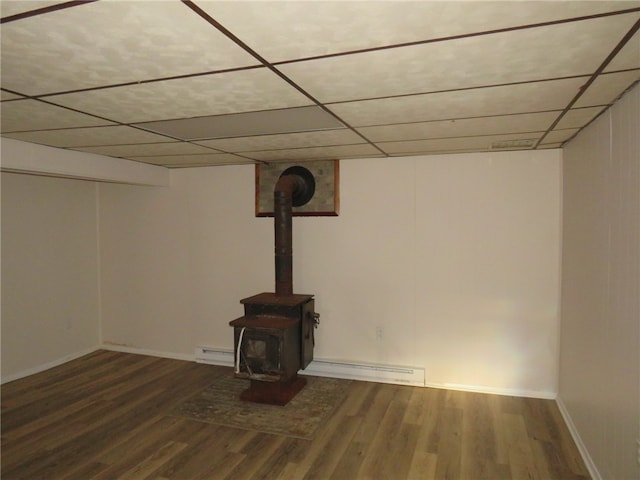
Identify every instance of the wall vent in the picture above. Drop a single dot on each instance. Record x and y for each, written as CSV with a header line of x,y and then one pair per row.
x,y
512,144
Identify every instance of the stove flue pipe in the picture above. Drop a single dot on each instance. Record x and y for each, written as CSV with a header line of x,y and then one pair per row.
x,y
286,187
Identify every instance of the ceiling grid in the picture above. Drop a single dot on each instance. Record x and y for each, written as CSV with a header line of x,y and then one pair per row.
x,y
198,83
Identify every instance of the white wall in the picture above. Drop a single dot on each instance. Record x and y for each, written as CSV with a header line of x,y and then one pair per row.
x,y
488,275
176,261
50,309
455,258
600,360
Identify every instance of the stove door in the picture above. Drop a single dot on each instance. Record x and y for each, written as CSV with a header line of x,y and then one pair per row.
x,y
260,354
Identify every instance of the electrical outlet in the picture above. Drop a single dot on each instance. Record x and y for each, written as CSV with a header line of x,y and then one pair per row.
x,y
379,333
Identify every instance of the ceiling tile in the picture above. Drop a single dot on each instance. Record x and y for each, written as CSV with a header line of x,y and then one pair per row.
x,y
523,98
111,43
264,122
15,7
288,30
90,136
559,136
217,94
579,117
193,160
479,143
20,115
607,88
628,57
152,149
530,122
301,154
285,141
516,56
8,96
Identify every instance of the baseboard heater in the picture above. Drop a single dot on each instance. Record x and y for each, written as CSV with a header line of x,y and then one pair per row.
x,y
325,368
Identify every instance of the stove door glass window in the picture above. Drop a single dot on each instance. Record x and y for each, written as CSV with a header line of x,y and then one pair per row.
x,y
256,349
261,352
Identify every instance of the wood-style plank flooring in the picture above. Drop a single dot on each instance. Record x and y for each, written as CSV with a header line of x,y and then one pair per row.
x,y
104,416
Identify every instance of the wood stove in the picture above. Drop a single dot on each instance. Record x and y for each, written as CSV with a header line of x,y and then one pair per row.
x,y
275,337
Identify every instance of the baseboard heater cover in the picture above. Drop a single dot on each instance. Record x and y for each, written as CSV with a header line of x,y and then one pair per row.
x,y
325,368
367,372
215,356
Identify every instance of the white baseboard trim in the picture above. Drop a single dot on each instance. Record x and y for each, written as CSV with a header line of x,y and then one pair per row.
x,y
144,351
328,368
399,375
588,461
48,365
494,391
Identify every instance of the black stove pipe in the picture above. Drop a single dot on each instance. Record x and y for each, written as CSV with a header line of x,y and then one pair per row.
x,y
286,188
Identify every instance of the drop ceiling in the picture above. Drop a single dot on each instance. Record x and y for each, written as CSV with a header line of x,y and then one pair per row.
x,y
195,83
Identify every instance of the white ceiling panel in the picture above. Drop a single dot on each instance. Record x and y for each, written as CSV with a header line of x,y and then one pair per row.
x,y
482,143
281,30
8,96
15,7
152,149
530,122
522,98
22,115
240,91
579,117
607,88
515,56
90,136
285,141
559,136
628,57
247,124
111,43
302,154
193,160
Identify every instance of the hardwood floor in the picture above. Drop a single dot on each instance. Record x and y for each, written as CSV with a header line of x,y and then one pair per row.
x,y
104,416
